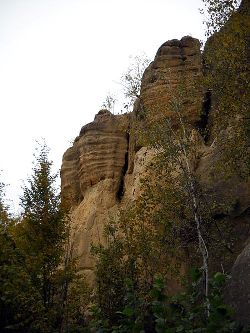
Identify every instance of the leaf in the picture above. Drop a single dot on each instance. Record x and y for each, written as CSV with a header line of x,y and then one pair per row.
x,y
195,274
128,312
219,278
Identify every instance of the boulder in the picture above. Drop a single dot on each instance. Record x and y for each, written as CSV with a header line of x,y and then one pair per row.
x,y
238,291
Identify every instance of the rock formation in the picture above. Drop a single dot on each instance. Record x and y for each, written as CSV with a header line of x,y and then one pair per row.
x,y
227,53
177,64
238,291
98,153
101,172
93,174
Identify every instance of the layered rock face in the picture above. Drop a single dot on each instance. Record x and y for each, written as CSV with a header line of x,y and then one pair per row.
x,y
94,175
92,179
176,71
101,172
98,153
174,75
99,205
95,183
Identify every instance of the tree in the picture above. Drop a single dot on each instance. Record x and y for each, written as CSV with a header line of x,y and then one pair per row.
x,y
41,288
19,301
217,14
4,215
43,226
109,103
170,221
172,197
174,140
43,239
131,79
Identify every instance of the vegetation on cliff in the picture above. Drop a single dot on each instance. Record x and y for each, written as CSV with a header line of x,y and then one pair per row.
x,y
143,278
41,290
175,216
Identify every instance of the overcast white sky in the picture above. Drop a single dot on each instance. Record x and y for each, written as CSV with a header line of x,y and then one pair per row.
x,y
60,58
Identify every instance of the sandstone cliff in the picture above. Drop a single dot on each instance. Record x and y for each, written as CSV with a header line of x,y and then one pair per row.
x,y
95,176
98,153
177,63
101,171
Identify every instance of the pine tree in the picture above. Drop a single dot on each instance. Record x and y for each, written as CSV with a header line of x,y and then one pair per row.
x,y
43,229
42,239
4,215
19,302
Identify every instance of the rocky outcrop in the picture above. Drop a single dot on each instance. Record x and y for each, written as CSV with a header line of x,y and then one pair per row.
x,y
98,153
223,170
95,183
175,71
100,150
99,205
175,75
238,291
101,171
89,219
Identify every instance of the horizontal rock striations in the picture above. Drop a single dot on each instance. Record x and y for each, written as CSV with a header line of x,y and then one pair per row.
x,y
101,149
98,153
101,172
175,73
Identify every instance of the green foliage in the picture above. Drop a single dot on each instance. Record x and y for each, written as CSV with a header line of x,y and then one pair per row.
x,y
109,103
110,279
217,13
41,289
138,247
172,217
186,312
131,79
132,316
98,323
4,215
43,229
158,303
227,77
19,301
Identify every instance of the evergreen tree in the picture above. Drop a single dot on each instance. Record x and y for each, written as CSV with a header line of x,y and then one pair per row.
x,y
43,225
5,217
19,302
43,237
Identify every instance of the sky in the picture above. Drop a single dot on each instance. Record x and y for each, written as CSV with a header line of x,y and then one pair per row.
x,y
59,59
